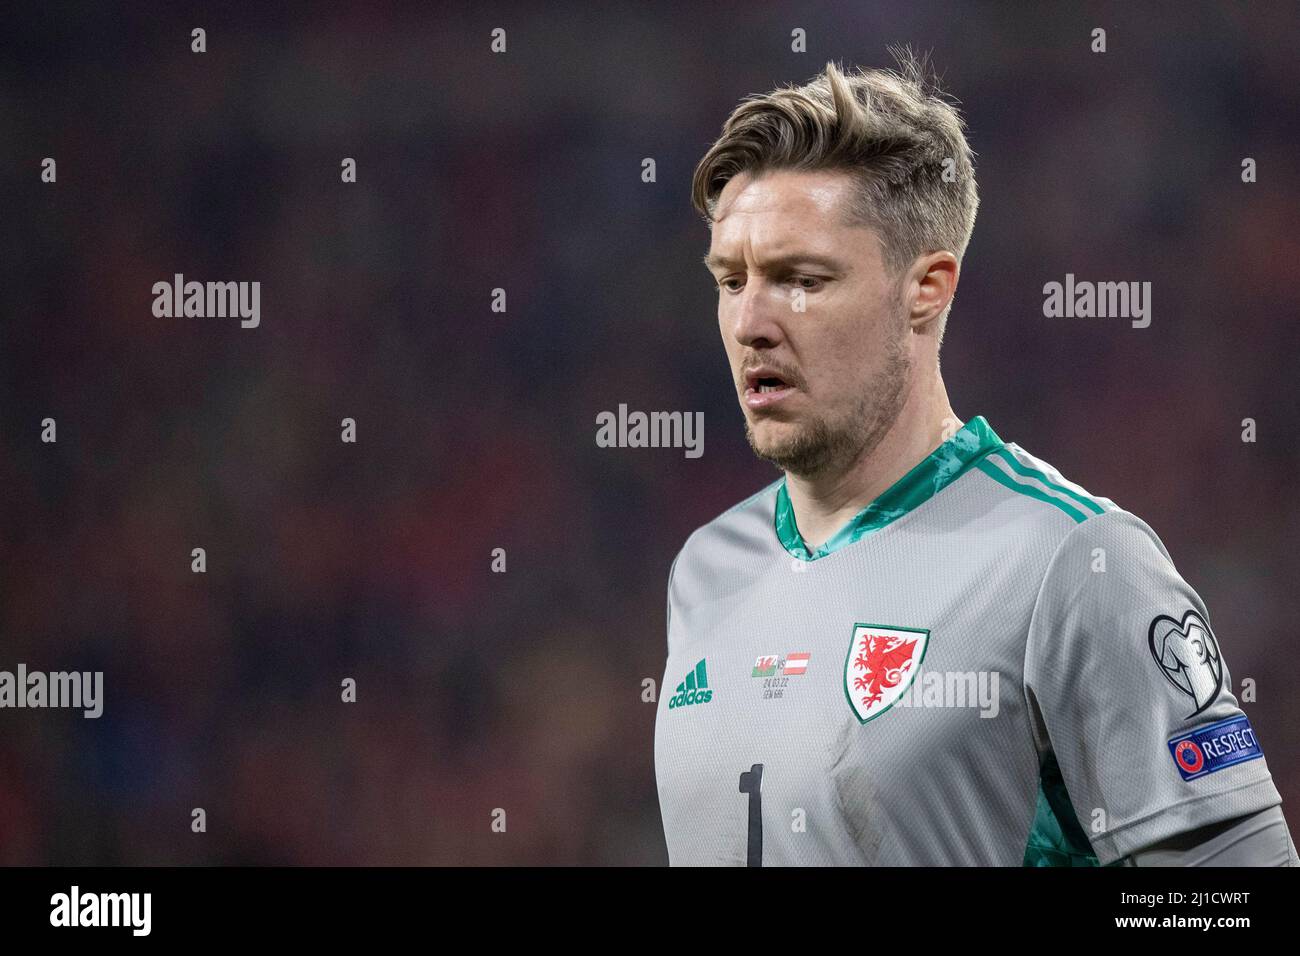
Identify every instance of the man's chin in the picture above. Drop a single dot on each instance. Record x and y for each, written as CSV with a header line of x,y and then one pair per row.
x,y
769,437
787,445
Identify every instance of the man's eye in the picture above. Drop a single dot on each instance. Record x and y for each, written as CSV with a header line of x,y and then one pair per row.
x,y
723,284
812,282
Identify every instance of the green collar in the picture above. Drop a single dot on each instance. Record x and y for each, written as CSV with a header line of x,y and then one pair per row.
x,y
936,471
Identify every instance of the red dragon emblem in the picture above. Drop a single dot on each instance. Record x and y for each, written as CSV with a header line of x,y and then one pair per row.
x,y
884,661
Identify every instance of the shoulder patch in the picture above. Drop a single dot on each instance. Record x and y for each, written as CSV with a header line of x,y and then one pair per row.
x,y
1224,743
1188,655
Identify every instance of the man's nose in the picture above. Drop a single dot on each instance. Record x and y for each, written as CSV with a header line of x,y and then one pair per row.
x,y
757,314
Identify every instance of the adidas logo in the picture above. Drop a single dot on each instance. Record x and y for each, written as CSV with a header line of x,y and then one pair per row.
x,y
693,690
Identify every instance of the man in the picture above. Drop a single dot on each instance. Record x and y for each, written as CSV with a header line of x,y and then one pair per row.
x,y
922,645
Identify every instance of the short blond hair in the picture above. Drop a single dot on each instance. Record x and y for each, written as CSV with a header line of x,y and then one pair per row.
x,y
894,132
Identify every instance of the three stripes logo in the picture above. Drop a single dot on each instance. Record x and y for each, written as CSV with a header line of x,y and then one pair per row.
x,y
1014,468
693,690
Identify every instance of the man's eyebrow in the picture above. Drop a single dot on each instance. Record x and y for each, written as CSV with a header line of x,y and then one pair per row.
x,y
712,261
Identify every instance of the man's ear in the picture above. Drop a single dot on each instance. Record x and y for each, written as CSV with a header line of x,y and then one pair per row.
x,y
931,284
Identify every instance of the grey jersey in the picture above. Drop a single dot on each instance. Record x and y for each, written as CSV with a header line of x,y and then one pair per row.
x,y
986,666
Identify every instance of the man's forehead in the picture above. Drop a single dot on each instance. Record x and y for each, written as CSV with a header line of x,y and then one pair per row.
x,y
817,195
782,214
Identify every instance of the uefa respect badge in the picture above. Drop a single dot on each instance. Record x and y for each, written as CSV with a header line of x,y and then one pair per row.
x,y
1225,743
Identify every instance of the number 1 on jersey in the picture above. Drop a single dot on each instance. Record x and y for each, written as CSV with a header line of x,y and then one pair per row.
x,y
751,782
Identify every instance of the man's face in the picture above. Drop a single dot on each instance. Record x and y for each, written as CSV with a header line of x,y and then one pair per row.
x,y
819,388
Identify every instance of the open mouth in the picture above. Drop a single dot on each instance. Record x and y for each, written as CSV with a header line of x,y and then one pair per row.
x,y
763,387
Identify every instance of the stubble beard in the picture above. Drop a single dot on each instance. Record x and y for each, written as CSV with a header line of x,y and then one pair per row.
x,y
822,446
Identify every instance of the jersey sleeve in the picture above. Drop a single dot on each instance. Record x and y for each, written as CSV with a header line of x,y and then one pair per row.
x,y
1128,688
1260,839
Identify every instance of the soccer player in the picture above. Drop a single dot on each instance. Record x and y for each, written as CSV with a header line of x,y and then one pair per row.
x,y
922,645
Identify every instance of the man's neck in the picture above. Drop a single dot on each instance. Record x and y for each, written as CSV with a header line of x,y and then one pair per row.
x,y
822,505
